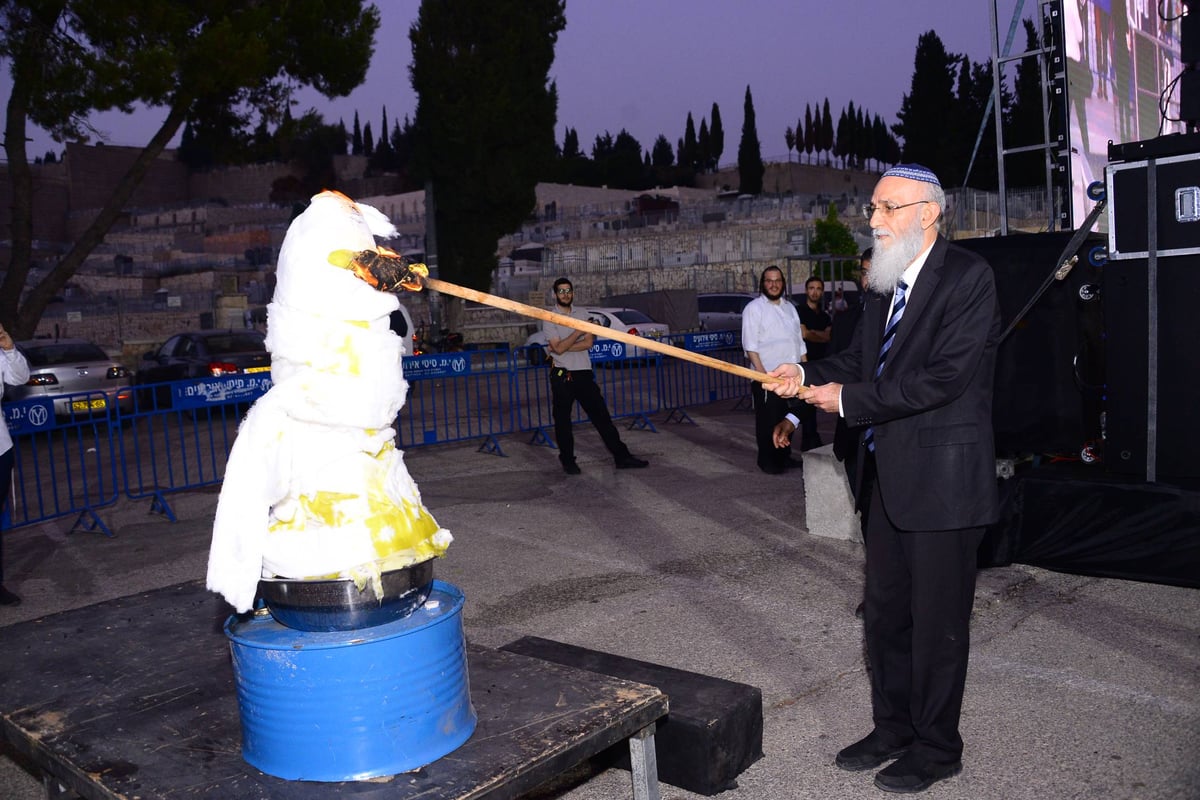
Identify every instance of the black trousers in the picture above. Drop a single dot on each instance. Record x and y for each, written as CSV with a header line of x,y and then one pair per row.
x,y
809,437
7,461
920,588
579,386
769,409
846,447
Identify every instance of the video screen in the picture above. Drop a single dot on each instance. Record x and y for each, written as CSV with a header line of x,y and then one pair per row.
x,y
1122,70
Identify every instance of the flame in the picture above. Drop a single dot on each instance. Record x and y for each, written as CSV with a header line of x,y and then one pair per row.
x,y
382,269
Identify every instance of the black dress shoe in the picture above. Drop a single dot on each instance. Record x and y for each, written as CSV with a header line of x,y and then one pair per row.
x,y
911,773
571,468
632,462
7,598
868,753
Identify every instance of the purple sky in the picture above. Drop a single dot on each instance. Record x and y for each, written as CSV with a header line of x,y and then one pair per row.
x,y
643,65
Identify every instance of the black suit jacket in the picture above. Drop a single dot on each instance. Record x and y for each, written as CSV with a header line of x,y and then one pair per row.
x,y
931,408
844,323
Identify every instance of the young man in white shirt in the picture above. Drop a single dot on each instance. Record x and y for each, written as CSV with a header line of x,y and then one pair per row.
x,y
771,335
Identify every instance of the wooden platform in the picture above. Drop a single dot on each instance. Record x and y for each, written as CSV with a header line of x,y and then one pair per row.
x,y
135,698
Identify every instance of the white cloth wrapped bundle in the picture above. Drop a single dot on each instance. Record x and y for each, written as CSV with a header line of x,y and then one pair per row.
x,y
314,486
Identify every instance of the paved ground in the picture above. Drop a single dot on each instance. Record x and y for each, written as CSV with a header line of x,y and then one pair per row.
x,y
1078,688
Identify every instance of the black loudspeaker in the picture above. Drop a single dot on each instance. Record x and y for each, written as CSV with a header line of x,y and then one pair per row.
x,y
1189,38
1049,368
1152,320
1168,415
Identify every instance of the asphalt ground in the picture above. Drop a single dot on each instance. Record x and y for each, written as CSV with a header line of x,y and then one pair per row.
x,y
1079,687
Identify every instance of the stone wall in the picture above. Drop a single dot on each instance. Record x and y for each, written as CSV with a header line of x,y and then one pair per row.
x,y
51,202
798,178
237,186
93,172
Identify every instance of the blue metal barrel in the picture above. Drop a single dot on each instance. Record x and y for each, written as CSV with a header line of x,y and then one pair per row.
x,y
356,704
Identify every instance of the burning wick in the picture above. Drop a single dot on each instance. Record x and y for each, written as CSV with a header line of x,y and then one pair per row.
x,y
385,270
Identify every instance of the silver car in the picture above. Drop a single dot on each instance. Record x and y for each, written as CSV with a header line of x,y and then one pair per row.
x,y
78,375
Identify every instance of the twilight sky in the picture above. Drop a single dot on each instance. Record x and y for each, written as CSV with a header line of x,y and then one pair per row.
x,y
643,65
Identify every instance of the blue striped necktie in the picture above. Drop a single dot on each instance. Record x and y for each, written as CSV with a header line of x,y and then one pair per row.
x,y
889,335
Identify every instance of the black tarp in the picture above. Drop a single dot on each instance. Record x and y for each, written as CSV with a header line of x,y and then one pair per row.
x,y
1077,518
675,308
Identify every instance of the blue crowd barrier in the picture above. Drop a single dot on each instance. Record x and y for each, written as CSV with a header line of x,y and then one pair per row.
x,y
532,378
177,436
454,397
687,384
629,382
64,465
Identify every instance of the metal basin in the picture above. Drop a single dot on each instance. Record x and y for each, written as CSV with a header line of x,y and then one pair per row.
x,y
339,605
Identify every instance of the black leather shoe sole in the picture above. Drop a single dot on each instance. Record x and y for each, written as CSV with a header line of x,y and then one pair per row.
x,y
571,469
632,462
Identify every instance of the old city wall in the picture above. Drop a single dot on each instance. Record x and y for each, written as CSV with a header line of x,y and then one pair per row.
x,y
800,178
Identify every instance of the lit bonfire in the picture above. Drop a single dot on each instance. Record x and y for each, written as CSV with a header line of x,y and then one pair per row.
x,y
315,488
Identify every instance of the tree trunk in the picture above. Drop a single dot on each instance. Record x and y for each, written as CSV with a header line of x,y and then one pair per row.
x,y
29,312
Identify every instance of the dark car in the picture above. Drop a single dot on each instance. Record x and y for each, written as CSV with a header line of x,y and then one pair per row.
x,y
63,369
206,354
722,311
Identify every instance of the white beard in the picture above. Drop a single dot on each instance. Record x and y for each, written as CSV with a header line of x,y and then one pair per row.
x,y
890,260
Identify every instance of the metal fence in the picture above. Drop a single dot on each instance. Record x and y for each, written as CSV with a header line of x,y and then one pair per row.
x,y
62,466
174,437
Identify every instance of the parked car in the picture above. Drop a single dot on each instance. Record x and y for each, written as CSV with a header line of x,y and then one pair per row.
x,y
60,368
722,311
626,320
205,354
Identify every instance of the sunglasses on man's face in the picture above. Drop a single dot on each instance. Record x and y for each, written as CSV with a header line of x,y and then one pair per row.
x,y
563,291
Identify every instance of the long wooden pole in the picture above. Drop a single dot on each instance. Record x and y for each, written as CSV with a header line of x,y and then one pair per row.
x,y
599,330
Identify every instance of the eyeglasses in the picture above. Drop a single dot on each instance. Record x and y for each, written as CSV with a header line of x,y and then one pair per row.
x,y
887,209
563,291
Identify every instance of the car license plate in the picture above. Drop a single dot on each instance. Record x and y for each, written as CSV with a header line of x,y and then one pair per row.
x,y
95,404
256,369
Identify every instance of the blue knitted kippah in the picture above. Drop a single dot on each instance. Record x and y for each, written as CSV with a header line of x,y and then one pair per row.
x,y
914,172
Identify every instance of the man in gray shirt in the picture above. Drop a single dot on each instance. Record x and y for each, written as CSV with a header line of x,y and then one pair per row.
x,y
571,381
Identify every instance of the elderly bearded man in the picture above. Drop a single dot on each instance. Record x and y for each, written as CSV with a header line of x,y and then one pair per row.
x,y
916,381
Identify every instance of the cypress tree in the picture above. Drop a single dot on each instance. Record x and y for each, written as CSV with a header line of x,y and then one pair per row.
x,y
809,138
475,63
826,130
750,163
716,138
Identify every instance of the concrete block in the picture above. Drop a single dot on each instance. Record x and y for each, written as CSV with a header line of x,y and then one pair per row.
x,y
828,503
